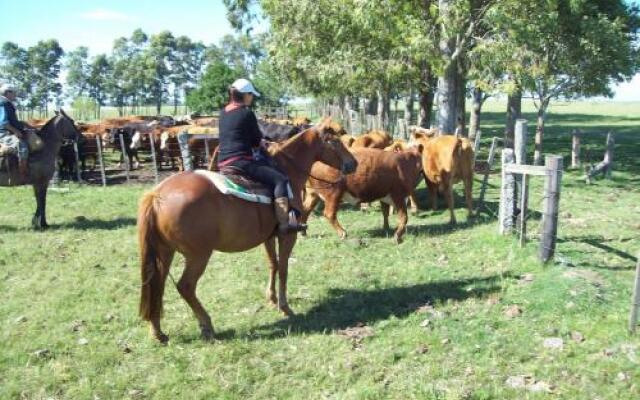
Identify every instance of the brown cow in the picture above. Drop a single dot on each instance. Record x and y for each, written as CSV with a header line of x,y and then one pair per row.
x,y
301,121
374,139
447,160
397,146
347,140
380,175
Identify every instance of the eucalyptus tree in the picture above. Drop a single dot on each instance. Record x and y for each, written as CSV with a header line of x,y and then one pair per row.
x,y
78,70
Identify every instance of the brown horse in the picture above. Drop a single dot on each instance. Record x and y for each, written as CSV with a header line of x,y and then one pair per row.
x,y
187,214
42,164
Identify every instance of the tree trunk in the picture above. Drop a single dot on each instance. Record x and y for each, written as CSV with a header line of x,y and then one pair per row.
x,y
476,107
384,105
447,103
514,107
175,101
371,105
426,106
461,90
408,107
542,115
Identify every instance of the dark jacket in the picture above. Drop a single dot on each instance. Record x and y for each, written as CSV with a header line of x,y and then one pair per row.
x,y
239,133
8,115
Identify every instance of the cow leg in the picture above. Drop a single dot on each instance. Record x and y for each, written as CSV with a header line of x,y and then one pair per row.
x,y
194,267
468,195
433,194
401,206
448,193
414,202
270,247
331,205
385,215
311,200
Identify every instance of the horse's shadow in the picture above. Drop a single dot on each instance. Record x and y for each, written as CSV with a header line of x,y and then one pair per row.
x,y
345,308
79,223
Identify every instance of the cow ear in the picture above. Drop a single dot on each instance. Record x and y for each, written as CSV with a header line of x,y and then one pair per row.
x,y
420,148
419,135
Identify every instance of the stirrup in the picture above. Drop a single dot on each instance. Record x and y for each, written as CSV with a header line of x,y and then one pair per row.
x,y
292,228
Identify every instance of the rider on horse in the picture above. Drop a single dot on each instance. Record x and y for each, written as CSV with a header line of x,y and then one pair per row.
x,y
12,131
242,147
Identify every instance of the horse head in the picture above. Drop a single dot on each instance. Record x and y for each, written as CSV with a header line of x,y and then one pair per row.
x,y
333,151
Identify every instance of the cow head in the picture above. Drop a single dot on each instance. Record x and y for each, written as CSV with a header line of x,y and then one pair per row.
x,y
164,138
136,140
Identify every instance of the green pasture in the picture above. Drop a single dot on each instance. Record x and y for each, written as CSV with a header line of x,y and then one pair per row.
x,y
452,313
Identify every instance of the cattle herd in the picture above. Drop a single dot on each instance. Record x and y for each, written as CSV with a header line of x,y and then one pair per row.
x,y
388,170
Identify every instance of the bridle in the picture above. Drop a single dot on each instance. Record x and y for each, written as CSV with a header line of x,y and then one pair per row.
x,y
293,162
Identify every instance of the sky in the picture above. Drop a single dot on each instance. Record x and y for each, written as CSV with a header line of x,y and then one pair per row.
x,y
97,23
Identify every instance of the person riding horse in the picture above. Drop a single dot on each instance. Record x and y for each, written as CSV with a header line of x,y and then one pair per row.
x,y
242,147
12,131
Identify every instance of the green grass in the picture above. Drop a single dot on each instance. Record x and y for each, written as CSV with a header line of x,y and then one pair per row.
x,y
85,269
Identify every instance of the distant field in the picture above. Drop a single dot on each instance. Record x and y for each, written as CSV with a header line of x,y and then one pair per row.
x,y
452,313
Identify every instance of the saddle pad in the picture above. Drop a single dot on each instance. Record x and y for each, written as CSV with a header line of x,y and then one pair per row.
x,y
257,193
202,130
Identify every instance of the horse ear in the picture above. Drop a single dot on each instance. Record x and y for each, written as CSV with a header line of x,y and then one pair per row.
x,y
64,114
56,112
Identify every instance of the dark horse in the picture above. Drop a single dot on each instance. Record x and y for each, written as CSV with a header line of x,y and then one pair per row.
x,y
186,213
42,163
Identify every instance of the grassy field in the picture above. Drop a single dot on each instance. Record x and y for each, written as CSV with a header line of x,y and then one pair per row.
x,y
452,313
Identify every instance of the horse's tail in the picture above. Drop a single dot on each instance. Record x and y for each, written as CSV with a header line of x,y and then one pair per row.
x,y
152,271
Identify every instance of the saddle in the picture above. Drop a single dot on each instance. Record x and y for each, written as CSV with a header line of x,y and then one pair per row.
x,y
230,181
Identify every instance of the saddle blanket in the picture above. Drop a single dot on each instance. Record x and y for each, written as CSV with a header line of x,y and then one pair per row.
x,y
238,186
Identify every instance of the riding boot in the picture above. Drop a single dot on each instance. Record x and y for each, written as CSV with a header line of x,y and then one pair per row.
x,y
23,167
286,224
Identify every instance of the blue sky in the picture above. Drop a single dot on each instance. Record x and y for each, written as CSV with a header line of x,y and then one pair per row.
x,y
97,23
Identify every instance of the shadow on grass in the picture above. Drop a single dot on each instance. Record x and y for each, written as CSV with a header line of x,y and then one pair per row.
x,y
599,243
345,308
78,223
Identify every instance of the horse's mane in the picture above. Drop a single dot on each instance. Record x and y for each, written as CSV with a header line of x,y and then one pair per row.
x,y
292,141
42,130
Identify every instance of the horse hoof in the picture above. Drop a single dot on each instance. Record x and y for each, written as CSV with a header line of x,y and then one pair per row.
x,y
287,311
207,334
162,338
273,300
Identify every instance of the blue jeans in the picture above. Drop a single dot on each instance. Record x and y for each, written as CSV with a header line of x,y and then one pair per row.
x,y
19,146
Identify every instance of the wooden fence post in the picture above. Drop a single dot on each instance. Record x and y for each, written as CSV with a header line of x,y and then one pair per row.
x,y
520,149
575,148
520,141
102,173
206,150
606,165
485,178
608,155
507,194
635,300
476,142
77,156
183,141
524,205
552,184
125,156
152,139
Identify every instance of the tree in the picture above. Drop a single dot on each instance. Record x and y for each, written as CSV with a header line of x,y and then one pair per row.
x,y
212,94
14,68
44,61
78,71
100,74
158,58
569,49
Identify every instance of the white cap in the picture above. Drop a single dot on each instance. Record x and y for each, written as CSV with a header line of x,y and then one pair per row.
x,y
7,88
245,86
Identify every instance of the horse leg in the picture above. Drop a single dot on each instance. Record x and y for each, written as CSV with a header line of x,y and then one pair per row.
x,y
39,220
385,215
194,267
311,200
270,247
164,258
286,243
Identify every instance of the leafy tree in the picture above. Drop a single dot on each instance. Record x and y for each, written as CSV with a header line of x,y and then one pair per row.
x,y
78,71
44,61
85,107
212,94
100,74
